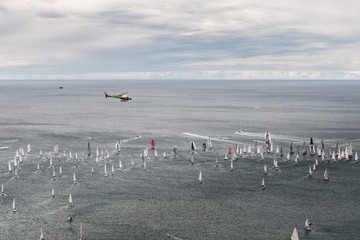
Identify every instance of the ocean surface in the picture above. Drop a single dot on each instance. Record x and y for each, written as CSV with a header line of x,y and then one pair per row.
x,y
166,197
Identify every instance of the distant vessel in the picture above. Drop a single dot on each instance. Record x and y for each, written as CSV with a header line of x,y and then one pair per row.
x,y
312,147
307,225
41,234
60,171
2,189
349,150
153,143
291,148
112,169
192,159
326,177
356,157
200,177
70,200
89,153
263,184
295,235
155,153
120,165
118,146
193,146
231,165
276,165
105,172
146,152
10,169
225,157
81,231
268,143
265,169
54,174
53,193
304,151
14,208
217,164
74,178
296,158
239,132
288,156
310,172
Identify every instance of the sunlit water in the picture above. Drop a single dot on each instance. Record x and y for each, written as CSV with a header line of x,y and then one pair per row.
x,y
166,197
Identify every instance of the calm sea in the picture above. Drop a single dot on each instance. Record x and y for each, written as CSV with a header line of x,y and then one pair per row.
x,y
166,197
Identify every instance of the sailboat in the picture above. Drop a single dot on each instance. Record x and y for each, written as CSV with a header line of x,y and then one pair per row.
x,y
193,146
51,163
53,193
281,152
316,162
277,150
304,151
263,184
310,172
312,147
54,174
192,159
97,152
41,234
291,148
118,146
314,167
38,167
307,225
153,143
209,143
89,153
112,169
261,155
2,189
92,170
60,171
70,200
276,165
225,157
265,169
295,235
97,160
105,172
326,177
297,158
356,157
28,148
14,208
349,149
155,153
217,160
74,178
200,177
288,156
81,231
10,169
231,165
16,173
120,165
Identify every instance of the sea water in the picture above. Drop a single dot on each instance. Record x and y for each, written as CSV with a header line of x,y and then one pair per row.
x,y
167,197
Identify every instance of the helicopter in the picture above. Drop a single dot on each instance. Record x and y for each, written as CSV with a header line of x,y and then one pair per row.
x,y
122,97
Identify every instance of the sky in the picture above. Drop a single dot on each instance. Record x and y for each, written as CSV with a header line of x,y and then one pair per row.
x,y
179,39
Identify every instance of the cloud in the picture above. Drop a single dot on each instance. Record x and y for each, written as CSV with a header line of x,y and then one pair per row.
x,y
71,38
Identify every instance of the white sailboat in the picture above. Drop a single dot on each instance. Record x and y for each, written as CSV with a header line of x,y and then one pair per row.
x,y
155,153
97,152
38,167
288,156
276,165
2,189
225,157
356,157
314,167
316,162
107,155
41,234
209,143
263,184
112,169
261,156
310,172
28,148
349,149
326,177
105,172
146,152
249,149
120,165
193,146
53,193
297,158
74,178
92,170
307,225
97,160
10,168
118,146
231,165
70,200
13,206
51,163
81,231
265,169
295,235
54,174
217,160
60,171
200,177
16,173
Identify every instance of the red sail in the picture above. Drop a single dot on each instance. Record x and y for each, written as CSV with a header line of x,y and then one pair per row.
x,y
153,143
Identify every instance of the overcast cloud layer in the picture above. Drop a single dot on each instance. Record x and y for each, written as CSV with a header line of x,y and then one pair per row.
x,y
240,39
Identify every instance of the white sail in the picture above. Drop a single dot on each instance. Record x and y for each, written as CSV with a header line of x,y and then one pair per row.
x,y
356,157
97,152
249,149
326,177
225,157
295,235
54,174
310,172
200,177
349,149
70,155
231,165
314,167
97,160
16,172
276,163
261,156
10,169
74,178
52,192
105,172
297,158
112,169
277,150
28,148
209,143
120,165
60,171
56,149
81,231
263,184
2,189
41,234
265,169
13,206
118,146
155,153
217,160
70,200
316,162
107,155
288,156
146,152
